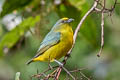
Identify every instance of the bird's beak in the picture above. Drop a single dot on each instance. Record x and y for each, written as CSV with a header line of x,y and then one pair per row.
x,y
70,20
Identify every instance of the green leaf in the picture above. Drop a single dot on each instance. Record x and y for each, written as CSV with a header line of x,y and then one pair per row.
x,y
10,5
10,38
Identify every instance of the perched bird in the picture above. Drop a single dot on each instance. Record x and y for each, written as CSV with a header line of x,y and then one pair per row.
x,y
57,42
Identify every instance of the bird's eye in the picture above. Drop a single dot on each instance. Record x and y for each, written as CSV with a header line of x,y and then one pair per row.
x,y
62,21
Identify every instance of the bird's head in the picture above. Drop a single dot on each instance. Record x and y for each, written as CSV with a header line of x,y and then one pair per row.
x,y
63,21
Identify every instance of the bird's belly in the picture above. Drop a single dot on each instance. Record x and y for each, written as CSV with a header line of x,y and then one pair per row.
x,y
62,49
57,51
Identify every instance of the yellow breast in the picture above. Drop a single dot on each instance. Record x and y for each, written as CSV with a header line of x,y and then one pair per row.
x,y
59,50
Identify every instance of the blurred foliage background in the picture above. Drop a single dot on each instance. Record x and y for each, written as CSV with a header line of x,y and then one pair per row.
x,y
24,23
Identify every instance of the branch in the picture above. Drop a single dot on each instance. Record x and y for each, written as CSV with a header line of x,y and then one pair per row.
x,y
56,73
79,26
102,30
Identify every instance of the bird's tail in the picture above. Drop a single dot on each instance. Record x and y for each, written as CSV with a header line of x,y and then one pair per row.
x,y
29,61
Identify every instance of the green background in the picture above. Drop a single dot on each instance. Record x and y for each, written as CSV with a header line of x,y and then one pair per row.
x,y
20,44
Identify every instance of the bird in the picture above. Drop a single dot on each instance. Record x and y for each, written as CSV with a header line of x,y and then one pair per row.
x,y
56,43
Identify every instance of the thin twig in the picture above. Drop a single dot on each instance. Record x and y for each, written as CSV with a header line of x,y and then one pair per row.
x,y
102,30
68,73
62,67
58,73
77,70
84,76
83,19
38,75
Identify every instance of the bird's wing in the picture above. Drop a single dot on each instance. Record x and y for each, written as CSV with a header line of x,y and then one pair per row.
x,y
50,40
